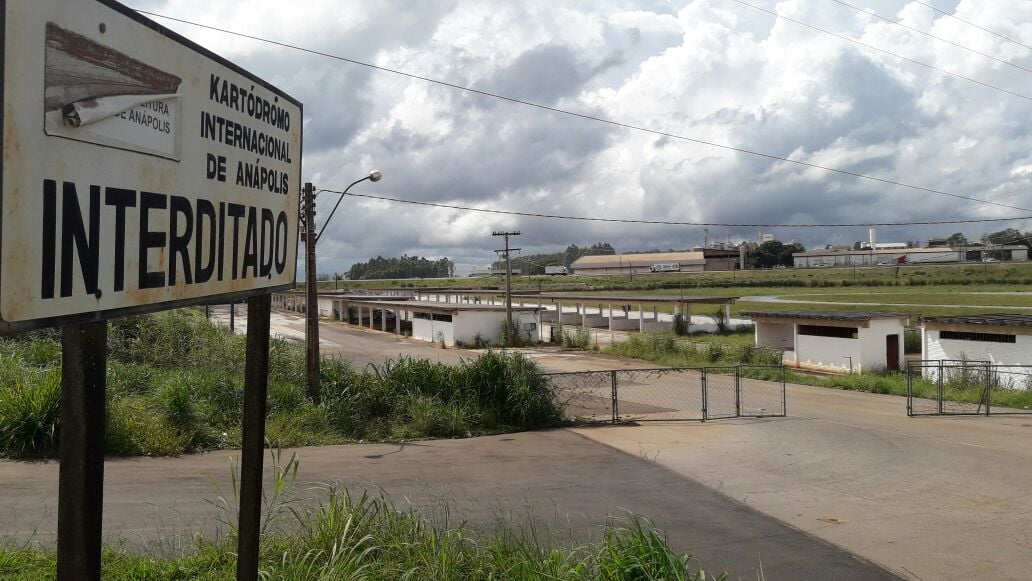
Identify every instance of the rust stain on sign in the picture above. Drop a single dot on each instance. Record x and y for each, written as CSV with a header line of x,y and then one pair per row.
x,y
78,69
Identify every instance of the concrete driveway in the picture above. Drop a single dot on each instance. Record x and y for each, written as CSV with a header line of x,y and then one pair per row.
x,y
929,498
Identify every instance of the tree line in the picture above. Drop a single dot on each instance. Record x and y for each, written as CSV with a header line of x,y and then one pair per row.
x,y
404,266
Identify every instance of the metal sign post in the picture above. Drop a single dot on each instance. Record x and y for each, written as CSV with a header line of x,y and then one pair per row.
x,y
140,172
81,487
256,382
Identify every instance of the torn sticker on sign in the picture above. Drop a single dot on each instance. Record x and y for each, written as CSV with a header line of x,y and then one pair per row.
x,y
99,95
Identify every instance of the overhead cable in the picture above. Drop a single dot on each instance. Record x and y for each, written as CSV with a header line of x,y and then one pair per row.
x,y
969,23
671,222
881,50
940,39
595,118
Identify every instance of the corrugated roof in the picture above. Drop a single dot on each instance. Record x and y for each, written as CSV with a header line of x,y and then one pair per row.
x,y
825,315
990,320
650,258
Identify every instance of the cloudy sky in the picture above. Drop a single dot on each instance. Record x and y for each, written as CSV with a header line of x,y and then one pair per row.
x,y
714,70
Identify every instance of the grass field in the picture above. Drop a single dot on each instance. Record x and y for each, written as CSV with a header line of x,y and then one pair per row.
x,y
1013,274
912,289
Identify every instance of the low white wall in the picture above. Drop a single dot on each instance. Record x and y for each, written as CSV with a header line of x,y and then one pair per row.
x,y
1017,353
777,335
596,321
828,352
625,324
657,326
428,330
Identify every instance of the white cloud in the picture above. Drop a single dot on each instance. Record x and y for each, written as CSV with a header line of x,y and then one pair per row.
x,y
708,69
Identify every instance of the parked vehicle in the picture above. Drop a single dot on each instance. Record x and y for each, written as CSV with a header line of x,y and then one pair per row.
x,y
556,270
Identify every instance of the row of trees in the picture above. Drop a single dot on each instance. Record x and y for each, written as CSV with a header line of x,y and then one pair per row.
x,y
403,267
536,263
773,253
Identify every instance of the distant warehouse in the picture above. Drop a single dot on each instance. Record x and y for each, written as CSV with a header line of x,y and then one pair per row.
x,y
889,257
649,263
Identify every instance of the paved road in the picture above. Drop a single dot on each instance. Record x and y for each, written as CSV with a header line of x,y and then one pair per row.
x,y
557,477
930,498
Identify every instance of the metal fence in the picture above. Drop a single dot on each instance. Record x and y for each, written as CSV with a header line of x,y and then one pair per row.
x,y
685,393
967,388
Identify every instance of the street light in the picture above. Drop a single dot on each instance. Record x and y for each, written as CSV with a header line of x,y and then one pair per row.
x,y
374,176
312,285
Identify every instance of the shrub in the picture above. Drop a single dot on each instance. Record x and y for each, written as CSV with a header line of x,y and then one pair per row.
x,y
29,413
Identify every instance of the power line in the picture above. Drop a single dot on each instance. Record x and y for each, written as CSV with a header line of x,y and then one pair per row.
x,y
669,222
940,39
872,47
595,118
955,17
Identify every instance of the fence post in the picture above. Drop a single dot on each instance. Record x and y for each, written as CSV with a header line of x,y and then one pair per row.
x,y
940,386
705,400
784,394
738,391
988,388
616,401
910,389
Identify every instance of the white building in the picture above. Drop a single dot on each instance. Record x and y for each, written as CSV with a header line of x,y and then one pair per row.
x,y
997,339
832,340
449,323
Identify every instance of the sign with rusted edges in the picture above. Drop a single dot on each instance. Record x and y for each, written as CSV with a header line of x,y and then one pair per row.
x,y
140,171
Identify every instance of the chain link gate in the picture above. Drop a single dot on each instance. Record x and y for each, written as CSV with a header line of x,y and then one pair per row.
x,y
670,394
967,388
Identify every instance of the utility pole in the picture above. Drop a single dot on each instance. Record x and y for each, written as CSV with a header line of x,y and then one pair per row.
x,y
508,283
311,296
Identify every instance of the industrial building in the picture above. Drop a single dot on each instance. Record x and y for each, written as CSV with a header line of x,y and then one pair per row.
x,y
998,339
654,262
834,340
890,257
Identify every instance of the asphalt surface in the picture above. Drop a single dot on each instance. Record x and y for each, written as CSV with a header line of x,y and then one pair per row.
x,y
929,498
558,478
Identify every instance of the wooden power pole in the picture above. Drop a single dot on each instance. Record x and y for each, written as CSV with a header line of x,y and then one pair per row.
x,y
508,283
311,297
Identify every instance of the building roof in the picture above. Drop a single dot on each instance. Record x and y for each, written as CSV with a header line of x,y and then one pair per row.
x,y
878,251
990,320
616,260
436,307
825,315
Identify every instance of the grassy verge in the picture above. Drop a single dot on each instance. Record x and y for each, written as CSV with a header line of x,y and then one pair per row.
x,y
175,385
341,536
665,349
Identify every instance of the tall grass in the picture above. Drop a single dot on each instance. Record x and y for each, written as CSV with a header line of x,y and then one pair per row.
x,y
175,385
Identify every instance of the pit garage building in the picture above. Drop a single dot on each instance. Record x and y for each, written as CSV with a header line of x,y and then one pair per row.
x,y
449,323
834,340
999,339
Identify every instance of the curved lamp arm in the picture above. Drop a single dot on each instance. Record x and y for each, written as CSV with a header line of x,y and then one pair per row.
x,y
374,176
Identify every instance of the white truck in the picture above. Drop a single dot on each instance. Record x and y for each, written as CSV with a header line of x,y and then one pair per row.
x,y
556,270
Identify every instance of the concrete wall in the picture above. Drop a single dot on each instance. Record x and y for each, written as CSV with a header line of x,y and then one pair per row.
x,y
778,335
428,330
827,352
1017,353
658,326
625,324
873,343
